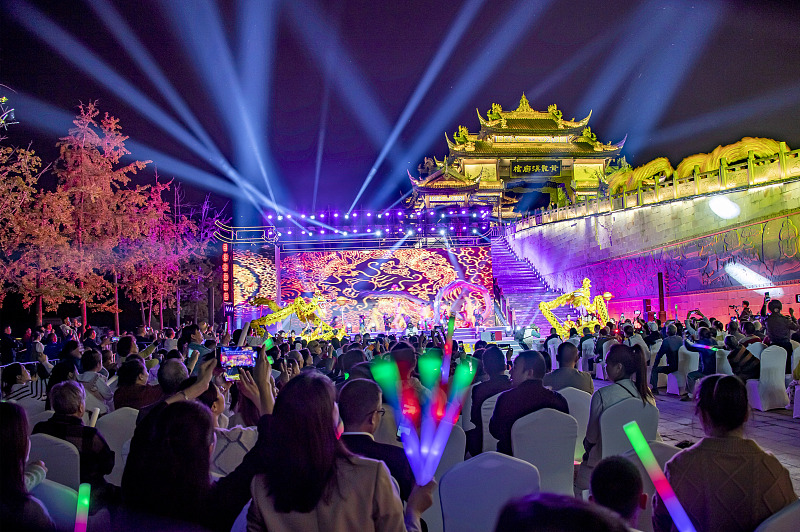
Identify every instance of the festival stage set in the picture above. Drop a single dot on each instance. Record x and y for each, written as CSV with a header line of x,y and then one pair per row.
x,y
535,223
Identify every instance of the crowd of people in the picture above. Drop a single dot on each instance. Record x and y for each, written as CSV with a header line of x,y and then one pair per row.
x,y
296,435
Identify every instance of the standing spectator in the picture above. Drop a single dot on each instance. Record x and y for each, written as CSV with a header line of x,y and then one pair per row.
x,y
669,348
779,329
495,367
93,381
706,346
8,346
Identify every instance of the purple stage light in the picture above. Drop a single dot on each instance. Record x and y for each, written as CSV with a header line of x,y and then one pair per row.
x,y
336,215
452,228
369,230
370,214
303,216
289,216
355,215
346,216
474,215
322,231
378,233
399,213
380,216
474,230
269,217
313,217
464,228
463,212
431,213
289,232
322,215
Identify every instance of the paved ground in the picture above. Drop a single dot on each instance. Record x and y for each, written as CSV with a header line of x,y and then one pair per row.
x,y
775,431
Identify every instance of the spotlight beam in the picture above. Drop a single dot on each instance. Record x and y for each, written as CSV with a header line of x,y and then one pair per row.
x,y
323,126
460,25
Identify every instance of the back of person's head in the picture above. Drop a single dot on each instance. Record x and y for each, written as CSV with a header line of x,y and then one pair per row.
x,y
731,343
91,360
672,330
70,346
532,361
358,399
628,330
617,484
573,331
362,370
9,376
548,512
733,327
494,362
481,344
634,366
304,412
173,354
704,333
64,370
774,305
14,435
586,331
67,397
129,372
722,402
567,355
553,330
351,358
171,374
125,345
748,328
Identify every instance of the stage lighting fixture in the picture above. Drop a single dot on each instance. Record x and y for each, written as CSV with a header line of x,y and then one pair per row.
x,y
346,216
346,233
409,233
431,213
380,216
280,217
289,216
313,217
452,228
370,214
288,232
378,233
474,230
474,215
322,231
464,228
441,232
303,232
355,215
724,207
369,230
336,215
399,213
269,217
322,215
463,212
484,227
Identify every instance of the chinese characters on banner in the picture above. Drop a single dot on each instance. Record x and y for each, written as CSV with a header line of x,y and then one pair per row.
x,y
535,168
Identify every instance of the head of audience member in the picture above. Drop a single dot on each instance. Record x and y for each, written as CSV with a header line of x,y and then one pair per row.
x,y
360,406
573,332
68,398
336,343
244,408
672,330
704,333
284,349
625,362
170,375
296,356
405,357
628,330
721,405
169,333
305,411
362,370
774,306
567,355
351,358
731,343
109,359
494,361
605,331
553,331
71,348
14,373
173,354
212,398
127,346
586,331
132,373
64,370
748,328
548,512
306,358
733,327
481,344
190,334
178,454
617,485
16,446
529,365
91,360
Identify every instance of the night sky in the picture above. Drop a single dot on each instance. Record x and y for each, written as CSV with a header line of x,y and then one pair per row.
x,y
268,80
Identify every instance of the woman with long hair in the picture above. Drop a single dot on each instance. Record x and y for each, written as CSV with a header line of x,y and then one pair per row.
x,y
724,481
316,483
626,367
18,510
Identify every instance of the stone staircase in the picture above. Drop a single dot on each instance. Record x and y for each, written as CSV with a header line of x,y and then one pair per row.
x,y
522,286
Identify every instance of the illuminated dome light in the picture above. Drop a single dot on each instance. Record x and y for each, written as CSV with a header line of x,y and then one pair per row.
x,y
752,280
302,216
346,216
280,217
723,207
409,233
346,233
313,217
441,232
378,233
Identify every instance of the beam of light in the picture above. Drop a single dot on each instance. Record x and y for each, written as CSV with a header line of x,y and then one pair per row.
x,y
309,23
200,28
665,491
398,200
752,280
641,36
518,20
720,119
723,207
457,29
649,95
323,126
82,510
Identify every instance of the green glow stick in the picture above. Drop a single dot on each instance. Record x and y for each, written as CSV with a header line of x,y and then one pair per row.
x,y
82,512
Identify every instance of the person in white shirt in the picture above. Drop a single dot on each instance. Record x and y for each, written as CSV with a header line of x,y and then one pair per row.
x,y
633,338
93,381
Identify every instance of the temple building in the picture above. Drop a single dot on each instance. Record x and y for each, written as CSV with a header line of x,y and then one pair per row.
x,y
517,161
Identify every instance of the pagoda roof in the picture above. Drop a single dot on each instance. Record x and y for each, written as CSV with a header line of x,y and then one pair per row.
x,y
526,120
445,178
577,148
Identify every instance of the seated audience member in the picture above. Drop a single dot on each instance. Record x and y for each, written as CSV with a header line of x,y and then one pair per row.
x,y
626,368
494,363
132,389
554,339
19,386
127,346
361,410
566,376
245,411
724,481
669,348
319,485
548,512
170,342
109,363
574,337
64,370
94,382
548,361
528,395
706,346
750,336
617,485
72,349
744,364
733,330
18,509
633,338
97,459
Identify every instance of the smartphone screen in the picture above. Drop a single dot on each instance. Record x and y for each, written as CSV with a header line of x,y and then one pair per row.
x,y
234,357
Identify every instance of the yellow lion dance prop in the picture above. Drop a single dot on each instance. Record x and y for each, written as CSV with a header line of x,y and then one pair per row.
x,y
305,312
596,310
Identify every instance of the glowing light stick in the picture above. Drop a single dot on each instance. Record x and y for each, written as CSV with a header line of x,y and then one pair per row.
x,y
448,343
665,491
82,512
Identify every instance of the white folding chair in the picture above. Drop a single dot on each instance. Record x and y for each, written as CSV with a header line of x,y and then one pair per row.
x,y
466,409
117,427
93,402
546,438
387,430
487,410
38,418
496,478
768,391
579,403
452,455
663,453
61,458
688,361
795,357
756,349
613,438
61,503
240,525
662,377
587,352
552,350
723,366
785,520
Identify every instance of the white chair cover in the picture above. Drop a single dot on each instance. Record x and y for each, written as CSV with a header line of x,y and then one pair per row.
x,y
552,350
579,403
466,408
663,453
546,438
453,454
756,348
117,427
784,521
688,361
474,492
607,346
60,457
723,366
613,438
240,525
387,430
487,410
769,392
37,418
662,377
61,503
587,353
795,357
93,402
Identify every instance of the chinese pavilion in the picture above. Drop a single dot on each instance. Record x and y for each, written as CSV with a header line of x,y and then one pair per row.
x,y
516,159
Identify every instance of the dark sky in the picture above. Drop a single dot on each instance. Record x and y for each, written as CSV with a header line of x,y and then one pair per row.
x,y
262,79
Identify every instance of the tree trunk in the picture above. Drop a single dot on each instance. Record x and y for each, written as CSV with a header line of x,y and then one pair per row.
x,y
211,306
141,307
83,305
150,313
160,310
178,308
39,312
116,303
